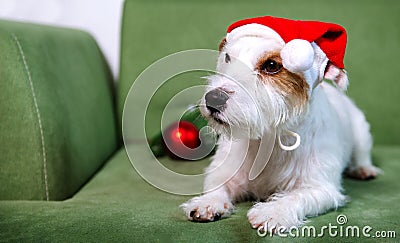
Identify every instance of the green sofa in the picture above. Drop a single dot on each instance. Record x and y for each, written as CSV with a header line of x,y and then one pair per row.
x,y
64,171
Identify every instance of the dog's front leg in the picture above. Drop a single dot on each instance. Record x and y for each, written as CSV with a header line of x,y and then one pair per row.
x,y
289,209
209,207
224,182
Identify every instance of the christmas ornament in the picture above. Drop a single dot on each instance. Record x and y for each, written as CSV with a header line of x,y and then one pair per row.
x,y
180,139
188,139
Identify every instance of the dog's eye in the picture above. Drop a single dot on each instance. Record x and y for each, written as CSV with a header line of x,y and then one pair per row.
x,y
227,58
271,67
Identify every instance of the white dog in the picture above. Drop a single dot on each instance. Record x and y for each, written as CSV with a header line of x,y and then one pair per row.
x,y
271,86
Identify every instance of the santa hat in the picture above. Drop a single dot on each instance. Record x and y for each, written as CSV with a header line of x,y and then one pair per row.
x,y
298,54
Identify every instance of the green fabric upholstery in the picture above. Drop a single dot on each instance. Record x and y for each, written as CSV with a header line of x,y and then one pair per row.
x,y
118,206
57,121
154,29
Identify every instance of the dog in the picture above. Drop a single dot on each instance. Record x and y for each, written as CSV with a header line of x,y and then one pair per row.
x,y
287,135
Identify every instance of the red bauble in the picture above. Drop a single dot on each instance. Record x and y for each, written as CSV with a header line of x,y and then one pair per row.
x,y
180,139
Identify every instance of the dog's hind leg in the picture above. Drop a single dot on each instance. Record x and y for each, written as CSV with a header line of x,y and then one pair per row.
x,y
361,165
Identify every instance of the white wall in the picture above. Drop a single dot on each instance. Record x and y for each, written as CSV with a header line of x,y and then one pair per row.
x,y
101,18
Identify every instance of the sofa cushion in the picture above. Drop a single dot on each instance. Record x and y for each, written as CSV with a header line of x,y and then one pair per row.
x,y
56,111
118,205
154,29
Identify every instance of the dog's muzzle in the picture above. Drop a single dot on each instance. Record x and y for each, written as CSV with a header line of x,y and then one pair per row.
x,y
216,100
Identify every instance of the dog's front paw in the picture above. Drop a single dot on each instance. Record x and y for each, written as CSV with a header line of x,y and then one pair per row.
x,y
207,209
272,217
365,172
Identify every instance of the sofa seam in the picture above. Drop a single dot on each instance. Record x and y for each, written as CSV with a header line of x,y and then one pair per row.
x,y
22,53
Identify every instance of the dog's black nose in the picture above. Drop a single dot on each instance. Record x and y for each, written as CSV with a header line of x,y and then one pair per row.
x,y
216,100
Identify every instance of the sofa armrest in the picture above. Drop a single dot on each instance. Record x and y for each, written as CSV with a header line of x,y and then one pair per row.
x,y
57,121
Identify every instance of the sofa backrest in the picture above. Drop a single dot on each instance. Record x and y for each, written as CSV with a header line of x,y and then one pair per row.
x,y
57,123
154,29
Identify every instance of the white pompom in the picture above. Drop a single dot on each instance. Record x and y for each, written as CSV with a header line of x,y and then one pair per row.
x,y
297,55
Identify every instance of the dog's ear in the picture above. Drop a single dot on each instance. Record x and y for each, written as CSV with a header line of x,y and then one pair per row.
x,y
222,44
337,75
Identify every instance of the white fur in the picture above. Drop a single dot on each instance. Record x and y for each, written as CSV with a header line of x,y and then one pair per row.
x,y
294,184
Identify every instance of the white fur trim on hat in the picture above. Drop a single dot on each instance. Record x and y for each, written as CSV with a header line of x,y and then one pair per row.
x,y
254,30
297,55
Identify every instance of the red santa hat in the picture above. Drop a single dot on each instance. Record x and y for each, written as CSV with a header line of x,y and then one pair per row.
x,y
298,35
